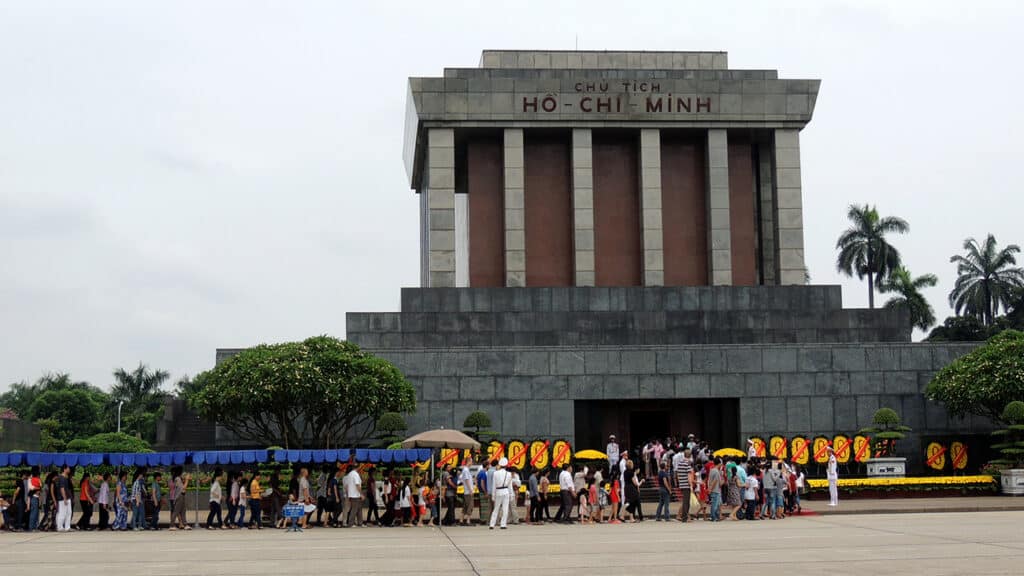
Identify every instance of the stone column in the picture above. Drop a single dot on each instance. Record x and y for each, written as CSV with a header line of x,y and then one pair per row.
x,y
719,229
766,191
515,209
650,207
440,214
583,206
789,208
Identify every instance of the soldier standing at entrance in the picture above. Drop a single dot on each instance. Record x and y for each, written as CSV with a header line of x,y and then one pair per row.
x,y
613,456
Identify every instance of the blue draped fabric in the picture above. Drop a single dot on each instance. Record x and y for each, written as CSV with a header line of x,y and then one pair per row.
x,y
362,454
5,459
319,456
376,456
235,457
344,454
305,455
280,455
330,455
293,455
178,458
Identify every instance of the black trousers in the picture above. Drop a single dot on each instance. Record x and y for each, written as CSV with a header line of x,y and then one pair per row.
x,y
449,514
214,512
104,517
564,513
321,503
371,510
86,517
154,515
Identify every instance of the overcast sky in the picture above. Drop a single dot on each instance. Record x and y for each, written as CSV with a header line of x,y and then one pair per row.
x,y
181,176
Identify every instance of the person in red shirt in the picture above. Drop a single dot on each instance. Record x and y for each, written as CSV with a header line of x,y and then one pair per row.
x,y
86,497
616,487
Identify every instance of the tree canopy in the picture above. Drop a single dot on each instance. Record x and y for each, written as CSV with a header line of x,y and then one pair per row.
x,y
984,381
143,397
109,442
908,295
863,248
986,279
318,393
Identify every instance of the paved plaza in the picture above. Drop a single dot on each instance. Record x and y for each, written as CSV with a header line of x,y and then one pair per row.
x,y
934,544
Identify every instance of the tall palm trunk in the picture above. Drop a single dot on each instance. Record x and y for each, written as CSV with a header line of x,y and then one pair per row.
x,y
871,277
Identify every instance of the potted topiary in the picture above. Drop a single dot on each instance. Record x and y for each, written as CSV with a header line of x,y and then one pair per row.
x,y
885,430
1011,465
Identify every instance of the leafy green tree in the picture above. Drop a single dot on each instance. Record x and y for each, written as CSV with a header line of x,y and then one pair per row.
x,y
321,393
109,442
885,430
77,412
389,425
983,381
908,290
960,329
1012,446
49,440
986,279
476,420
863,249
143,398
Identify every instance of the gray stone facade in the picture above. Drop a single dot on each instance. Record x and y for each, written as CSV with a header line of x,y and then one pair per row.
x,y
528,355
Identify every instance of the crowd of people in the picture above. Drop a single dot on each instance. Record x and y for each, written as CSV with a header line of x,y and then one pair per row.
x,y
687,473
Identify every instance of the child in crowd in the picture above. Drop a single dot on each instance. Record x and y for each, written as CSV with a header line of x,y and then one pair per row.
x,y
584,512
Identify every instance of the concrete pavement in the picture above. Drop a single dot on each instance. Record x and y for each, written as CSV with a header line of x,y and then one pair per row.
x,y
935,544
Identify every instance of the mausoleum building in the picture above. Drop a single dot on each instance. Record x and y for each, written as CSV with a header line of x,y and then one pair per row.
x,y
613,242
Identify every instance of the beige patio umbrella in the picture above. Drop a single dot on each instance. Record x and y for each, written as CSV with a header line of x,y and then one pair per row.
x,y
441,439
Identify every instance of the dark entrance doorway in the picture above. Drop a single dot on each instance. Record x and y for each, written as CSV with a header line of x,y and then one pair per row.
x,y
716,420
647,424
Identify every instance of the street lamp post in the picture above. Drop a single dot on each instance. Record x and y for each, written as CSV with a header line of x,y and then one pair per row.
x,y
119,405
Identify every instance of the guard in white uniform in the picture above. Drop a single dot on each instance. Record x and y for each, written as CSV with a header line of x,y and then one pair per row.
x,y
833,478
502,493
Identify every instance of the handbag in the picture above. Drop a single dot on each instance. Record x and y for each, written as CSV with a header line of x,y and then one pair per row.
x,y
694,502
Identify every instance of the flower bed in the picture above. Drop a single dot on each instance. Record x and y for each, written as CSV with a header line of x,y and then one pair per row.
x,y
919,487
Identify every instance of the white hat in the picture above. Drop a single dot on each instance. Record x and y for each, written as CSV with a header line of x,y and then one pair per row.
x,y
503,462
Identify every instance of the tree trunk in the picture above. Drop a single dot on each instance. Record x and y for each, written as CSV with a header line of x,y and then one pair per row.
x,y
988,306
871,290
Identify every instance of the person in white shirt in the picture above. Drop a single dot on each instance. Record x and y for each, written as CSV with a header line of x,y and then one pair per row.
x,y
567,493
354,494
623,462
216,497
833,478
751,448
467,481
502,491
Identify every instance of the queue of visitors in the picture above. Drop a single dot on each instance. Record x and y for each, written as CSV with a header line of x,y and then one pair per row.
x,y
686,472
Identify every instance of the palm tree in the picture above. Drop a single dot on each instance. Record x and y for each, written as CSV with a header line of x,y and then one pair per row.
x,y
986,279
863,249
140,390
908,288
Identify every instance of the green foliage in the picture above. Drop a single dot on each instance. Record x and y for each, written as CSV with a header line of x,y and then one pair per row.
x,y
48,439
863,249
1012,445
1014,413
77,411
885,417
983,381
389,425
960,329
143,399
986,279
908,290
885,431
477,419
109,442
321,392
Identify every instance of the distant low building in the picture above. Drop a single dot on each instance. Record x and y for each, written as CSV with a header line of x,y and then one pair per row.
x,y
17,434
